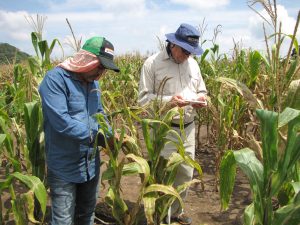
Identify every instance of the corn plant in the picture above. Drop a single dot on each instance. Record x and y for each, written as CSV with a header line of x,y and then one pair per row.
x,y
156,173
34,138
8,151
123,84
41,62
267,178
22,205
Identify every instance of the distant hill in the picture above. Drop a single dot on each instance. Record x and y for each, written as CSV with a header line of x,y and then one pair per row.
x,y
9,53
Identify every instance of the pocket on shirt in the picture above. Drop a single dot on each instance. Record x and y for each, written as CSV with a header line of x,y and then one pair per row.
x,y
76,104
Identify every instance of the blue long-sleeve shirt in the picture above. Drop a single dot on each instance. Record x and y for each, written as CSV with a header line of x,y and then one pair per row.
x,y
68,108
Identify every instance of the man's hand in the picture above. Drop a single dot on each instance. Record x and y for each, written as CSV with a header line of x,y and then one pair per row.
x,y
202,99
178,100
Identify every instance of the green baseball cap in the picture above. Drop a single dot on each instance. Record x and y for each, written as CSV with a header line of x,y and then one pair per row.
x,y
104,50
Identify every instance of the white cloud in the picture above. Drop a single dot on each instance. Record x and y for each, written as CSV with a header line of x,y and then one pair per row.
x,y
134,25
202,4
288,24
14,26
116,7
256,23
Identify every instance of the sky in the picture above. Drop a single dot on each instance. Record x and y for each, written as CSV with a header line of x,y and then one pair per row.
x,y
138,25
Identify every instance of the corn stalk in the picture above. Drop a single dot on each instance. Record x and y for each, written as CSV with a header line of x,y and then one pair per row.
x,y
267,178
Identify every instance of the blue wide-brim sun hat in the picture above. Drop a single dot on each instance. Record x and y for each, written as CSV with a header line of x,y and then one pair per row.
x,y
187,37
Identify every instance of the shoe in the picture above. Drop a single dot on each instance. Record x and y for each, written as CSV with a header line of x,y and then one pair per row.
x,y
182,219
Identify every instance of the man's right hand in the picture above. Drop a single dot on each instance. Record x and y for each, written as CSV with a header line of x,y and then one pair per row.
x,y
177,100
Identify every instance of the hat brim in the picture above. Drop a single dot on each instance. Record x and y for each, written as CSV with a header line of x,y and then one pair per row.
x,y
108,64
193,50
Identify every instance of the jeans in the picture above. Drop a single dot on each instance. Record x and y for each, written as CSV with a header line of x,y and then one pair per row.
x,y
72,203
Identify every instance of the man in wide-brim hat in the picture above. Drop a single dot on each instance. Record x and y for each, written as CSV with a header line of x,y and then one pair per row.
x,y
185,89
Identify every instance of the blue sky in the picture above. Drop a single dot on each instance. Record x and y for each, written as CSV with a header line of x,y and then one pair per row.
x,y
136,25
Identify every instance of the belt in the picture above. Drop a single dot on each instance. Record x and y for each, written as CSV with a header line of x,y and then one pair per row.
x,y
184,125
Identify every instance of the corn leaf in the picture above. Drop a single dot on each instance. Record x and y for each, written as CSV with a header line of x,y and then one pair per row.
x,y
254,60
117,204
143,166
269,137
2,138
243,90
286,116
290,157
34,40
252,167
289,214
167,190
249,215
147,138
149,207
29,199
293,95
36,186
18,211
227,178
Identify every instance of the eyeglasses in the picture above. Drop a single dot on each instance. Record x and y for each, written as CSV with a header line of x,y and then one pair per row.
x,y
187,53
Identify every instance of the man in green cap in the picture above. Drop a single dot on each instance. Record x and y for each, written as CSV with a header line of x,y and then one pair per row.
x,y
70,97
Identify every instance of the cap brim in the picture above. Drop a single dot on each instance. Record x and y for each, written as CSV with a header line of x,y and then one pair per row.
x,y
108,64
193,50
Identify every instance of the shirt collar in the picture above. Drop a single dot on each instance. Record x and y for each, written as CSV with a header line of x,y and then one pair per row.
x,y
70,74
165,55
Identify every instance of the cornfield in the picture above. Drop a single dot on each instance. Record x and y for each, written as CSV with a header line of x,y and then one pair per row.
x,y
252,119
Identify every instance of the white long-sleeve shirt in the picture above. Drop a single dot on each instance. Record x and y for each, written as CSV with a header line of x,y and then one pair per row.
x,y
186,80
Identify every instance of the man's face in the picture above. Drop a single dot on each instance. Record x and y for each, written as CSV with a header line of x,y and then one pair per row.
x,y
94,74
179,54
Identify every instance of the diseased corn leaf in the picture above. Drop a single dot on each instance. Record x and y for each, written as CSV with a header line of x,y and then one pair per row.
x,y
181,188
29,200
287,115
117,204
293,96
249,215
2,138
131,169
167,190
149,207
174,160
170,167
143,166
243,90
169,115
36,186
129,145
